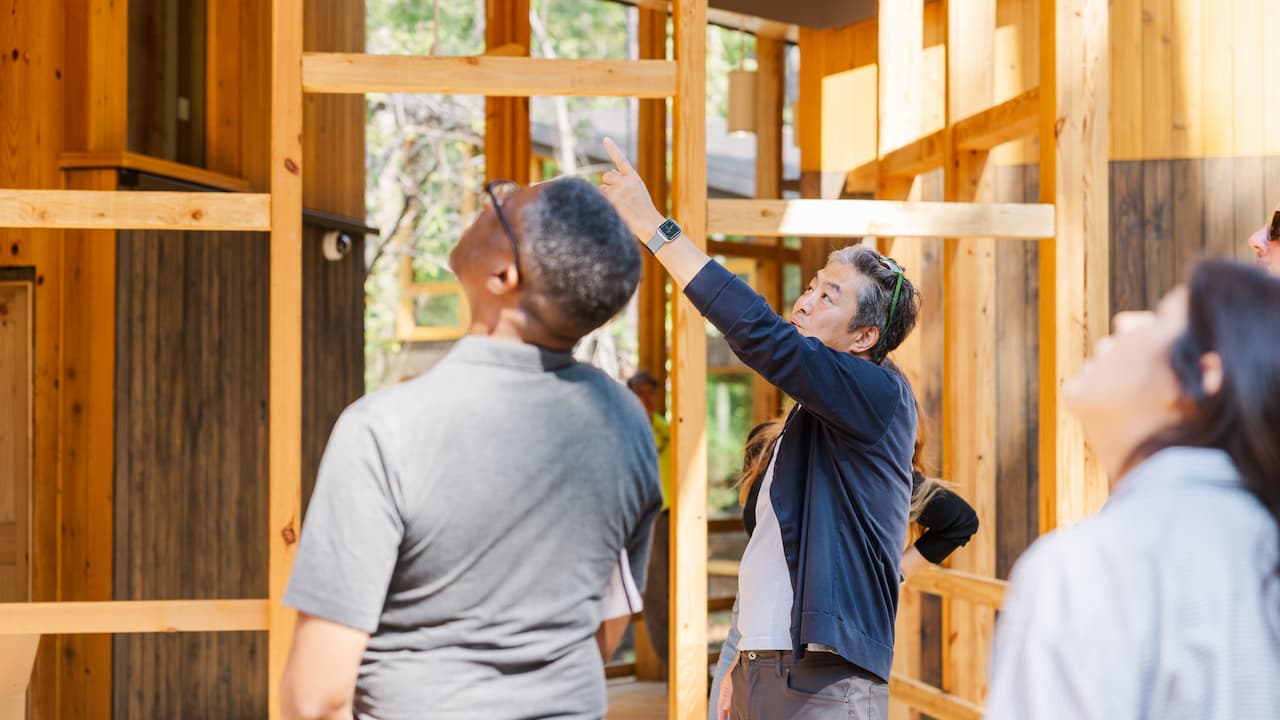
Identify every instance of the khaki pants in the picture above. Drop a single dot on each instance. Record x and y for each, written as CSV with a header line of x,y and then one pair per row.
x,y
773,685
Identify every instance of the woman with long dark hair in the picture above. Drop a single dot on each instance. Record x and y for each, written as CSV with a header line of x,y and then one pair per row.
x,y
1166,603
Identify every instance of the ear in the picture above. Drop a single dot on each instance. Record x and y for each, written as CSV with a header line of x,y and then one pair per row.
x,y
864,338
1211,373
503,279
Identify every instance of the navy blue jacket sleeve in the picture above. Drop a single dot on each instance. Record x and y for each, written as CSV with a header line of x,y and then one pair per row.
x,y
853,394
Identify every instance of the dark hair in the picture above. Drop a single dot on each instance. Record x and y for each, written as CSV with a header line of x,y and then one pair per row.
x,y
640,379
1231,311
875,300
583,260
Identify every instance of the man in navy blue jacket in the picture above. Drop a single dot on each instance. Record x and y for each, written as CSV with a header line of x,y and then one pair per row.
x,y
819,580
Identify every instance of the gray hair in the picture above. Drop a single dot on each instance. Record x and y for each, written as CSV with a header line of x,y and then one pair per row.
x,y
582,258
875,298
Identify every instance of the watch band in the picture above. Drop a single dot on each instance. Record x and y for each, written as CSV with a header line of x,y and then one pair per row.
x,y
656,242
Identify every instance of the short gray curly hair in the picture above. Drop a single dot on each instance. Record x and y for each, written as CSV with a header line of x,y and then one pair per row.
x,y
875,299
583,259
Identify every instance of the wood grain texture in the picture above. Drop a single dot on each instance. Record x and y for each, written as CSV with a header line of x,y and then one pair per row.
x,y
931,700
488,75
17,360
688,608
107,210
1002,123
858,218
152,165
132,616
507,140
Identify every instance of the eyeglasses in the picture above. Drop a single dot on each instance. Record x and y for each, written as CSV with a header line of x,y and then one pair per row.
x,y
893,267
495,193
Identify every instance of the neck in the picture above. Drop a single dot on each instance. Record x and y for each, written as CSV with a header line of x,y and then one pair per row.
x,y
1114,446
513,325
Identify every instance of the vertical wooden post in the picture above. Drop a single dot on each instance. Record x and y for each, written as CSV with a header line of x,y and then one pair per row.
x,y
1074,266
651,163
284,421
900,81
969,377
507,143
688,647
770,88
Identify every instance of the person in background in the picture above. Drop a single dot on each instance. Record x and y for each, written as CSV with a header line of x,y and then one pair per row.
x,y
464,524
1266,244
656,613
1166,603
945,521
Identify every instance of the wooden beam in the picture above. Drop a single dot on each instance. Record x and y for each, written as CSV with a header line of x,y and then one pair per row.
x,y
979,589
651,163
901,91
931,700
1008,121
17,658
755,25
858,218
752,250
969,452
284,415
154,166
507,139
916,158
132,616
688,613
1074,265
102,210
486,75
766,400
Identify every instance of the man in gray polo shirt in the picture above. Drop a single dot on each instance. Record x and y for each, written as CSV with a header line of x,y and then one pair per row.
x,y
464,524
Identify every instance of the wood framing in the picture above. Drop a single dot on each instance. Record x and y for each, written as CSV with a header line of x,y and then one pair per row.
x,y
284,416
1008,121
1074,263
156,166
979,589
883,218
687,699
507,142
931,700
766,400
915,158
106,210
488,75
133,616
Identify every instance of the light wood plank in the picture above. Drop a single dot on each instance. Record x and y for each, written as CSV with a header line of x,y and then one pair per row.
x,y
858,218
756,251
688,613
931,700
1188,91
132,616
284,416
487,75
17,658
507,140
916,158
972,587
154,166
766,400
1217,72
1250,49
969,410
1127,79
1006,122
102,210
1074,266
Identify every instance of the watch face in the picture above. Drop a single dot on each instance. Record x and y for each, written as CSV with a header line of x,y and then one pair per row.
x,y
669,229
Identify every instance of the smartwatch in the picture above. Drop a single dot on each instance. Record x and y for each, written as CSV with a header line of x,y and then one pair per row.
x,y
667,232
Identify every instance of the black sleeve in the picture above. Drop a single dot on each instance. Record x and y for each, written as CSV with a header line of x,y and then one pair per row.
x,y
949,522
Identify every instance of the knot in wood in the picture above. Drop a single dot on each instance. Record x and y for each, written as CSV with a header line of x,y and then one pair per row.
x,y
291,166
290,537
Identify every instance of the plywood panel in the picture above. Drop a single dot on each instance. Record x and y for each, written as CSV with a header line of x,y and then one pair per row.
x,y
1250,98
1186,57
1153,58
1217,71
17,351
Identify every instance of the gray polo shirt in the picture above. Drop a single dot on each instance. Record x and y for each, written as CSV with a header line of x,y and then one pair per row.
x,y
469,520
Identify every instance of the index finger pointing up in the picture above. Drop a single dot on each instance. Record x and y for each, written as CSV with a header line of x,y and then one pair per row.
x,y
619,159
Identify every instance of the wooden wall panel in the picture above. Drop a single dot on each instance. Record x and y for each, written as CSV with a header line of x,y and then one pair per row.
x,y
191,464
17,351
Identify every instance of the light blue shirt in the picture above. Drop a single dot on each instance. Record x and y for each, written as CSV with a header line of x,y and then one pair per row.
x,y
1165,605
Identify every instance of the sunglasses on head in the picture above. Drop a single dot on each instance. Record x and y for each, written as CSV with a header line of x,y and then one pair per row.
x,y
893,267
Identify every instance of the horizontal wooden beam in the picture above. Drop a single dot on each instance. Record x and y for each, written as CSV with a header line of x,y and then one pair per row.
x,y
914,159
723,568
954,583
774,253
879,218
499,76
1008,121
132,616
931,700
732,20
134,209
725,525
152,166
